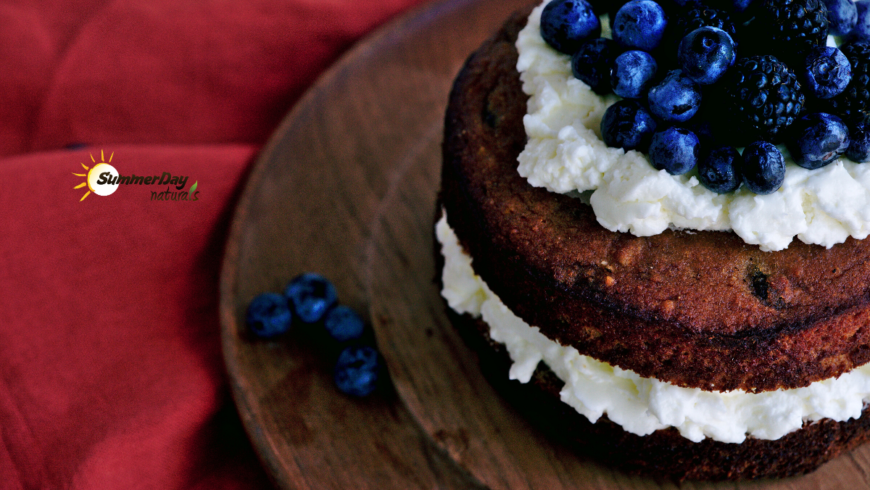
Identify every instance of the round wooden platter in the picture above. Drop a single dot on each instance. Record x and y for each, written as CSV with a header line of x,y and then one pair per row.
x,y
309,205
346,187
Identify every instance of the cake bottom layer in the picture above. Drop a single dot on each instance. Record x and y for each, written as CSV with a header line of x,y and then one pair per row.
x,y
664,453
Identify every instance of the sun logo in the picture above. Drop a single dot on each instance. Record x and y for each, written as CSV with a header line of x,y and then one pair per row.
x,y
101,179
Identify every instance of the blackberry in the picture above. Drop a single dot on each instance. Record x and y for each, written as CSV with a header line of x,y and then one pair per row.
x,y
855,100
789,28
704,16
764,96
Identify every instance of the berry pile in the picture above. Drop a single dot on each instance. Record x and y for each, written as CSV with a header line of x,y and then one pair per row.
x,y
311,299
701,78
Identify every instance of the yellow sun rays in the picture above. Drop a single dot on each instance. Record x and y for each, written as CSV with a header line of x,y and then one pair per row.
x,y
102,160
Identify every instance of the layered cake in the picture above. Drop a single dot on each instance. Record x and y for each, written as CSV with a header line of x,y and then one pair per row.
x,y
648,317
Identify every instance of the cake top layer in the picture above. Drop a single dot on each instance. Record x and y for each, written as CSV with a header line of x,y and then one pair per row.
x,y
717,313
565,154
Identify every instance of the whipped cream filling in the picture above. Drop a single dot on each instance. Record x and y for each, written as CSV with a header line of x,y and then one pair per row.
x,y
565,154
642,405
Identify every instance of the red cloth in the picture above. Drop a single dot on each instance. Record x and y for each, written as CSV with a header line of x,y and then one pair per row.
x,y
111,373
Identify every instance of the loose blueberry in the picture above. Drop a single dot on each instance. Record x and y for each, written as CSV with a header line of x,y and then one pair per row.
x,y
861,31
342,323
674,150
826,72
311,296
817,139
627,125
677,98
592,63
268,315
356,371
705,54
859,140
719,171
763,167
567,24
639,24
632,73
842,16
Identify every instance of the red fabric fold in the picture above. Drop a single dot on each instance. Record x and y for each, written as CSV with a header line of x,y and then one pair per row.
x,y
111,374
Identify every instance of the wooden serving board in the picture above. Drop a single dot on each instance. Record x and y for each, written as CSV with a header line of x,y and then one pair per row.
x,y
346,187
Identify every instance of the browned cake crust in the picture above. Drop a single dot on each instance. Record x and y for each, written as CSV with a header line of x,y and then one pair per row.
x,y
664,453
698,309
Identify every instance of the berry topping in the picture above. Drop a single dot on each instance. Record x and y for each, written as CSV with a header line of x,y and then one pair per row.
x,y
674,150
639,24
632,73
567,24
591,64
356,371
826,72
842,15
705,16
861,30
856,98
311,296
789,28
737,8
705,54
268,315
764,97
676,99
343,323
627,125
703,129
763,167
859,140
719,170
612,8
818,139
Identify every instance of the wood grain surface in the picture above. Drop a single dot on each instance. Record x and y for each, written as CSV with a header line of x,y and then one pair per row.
x,y
347,187
309,205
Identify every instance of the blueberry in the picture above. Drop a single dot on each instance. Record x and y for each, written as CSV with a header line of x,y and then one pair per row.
x,y
627,125
591,63
861,31
677,98
567,24
705,54
817,139
311,295
613,7
268,315
719,170
842,16
826,72
632,73
639,24
734,7
859,140
356,371
763,167
342,323
674,150
704,130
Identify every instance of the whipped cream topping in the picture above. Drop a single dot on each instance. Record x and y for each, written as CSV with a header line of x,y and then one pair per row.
x,y
565,154
643,405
